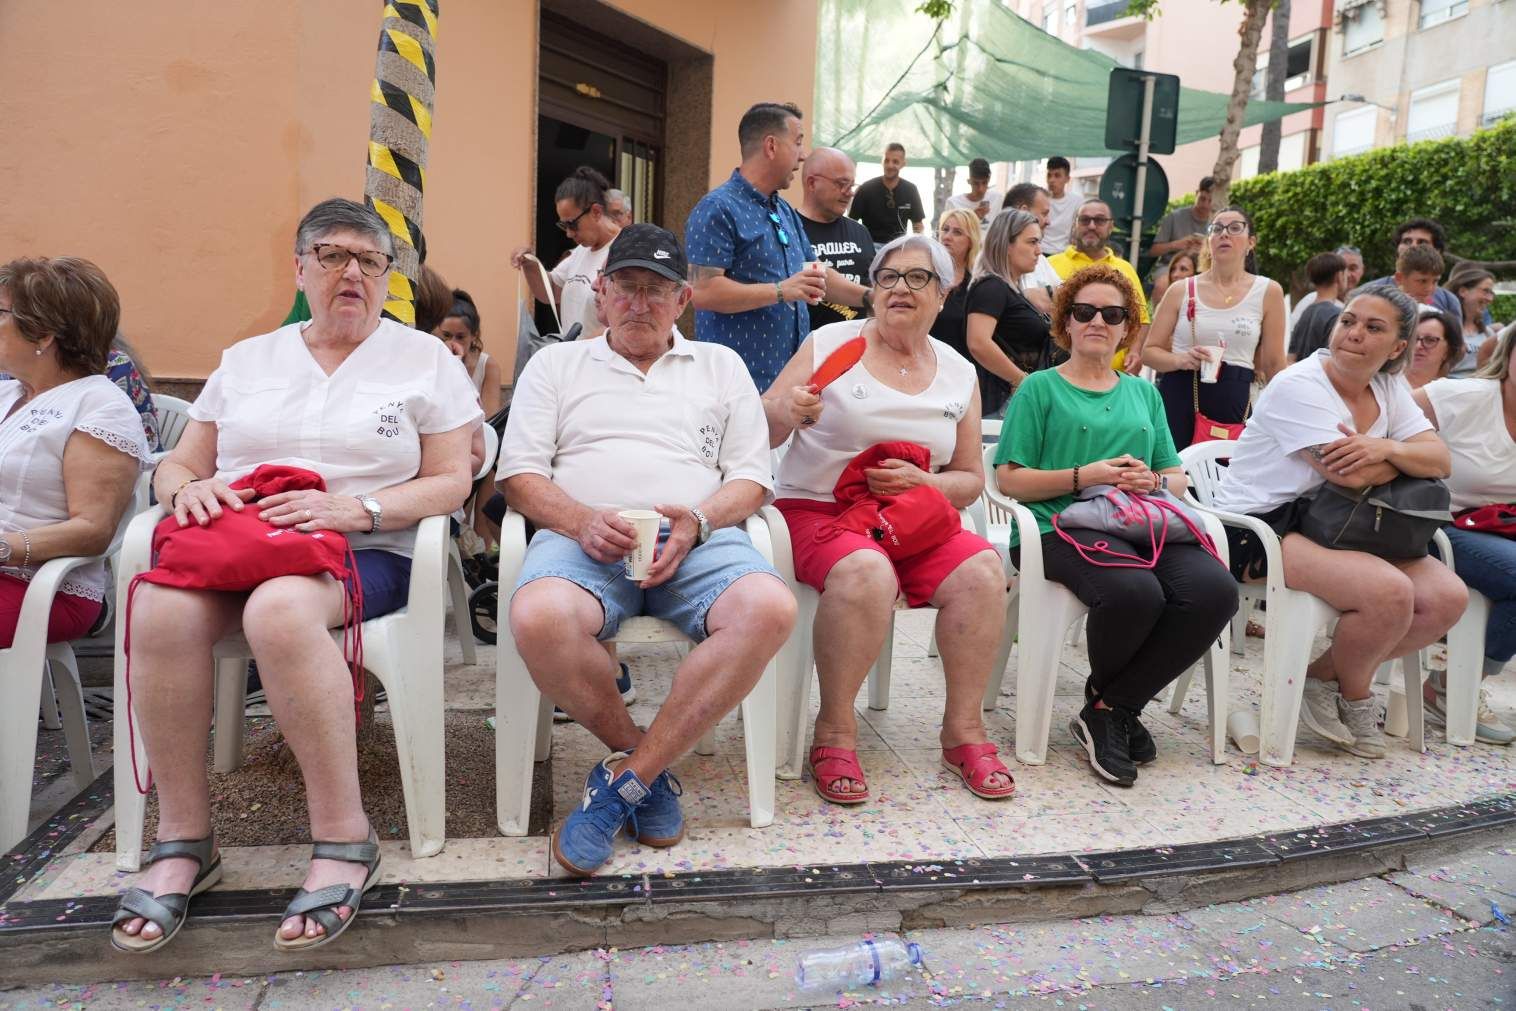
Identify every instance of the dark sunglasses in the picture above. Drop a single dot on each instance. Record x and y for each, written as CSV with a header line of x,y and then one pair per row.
x,y
572,224
1083,312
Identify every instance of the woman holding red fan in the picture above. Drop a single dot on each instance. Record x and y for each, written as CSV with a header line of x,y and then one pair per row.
x,y
851,387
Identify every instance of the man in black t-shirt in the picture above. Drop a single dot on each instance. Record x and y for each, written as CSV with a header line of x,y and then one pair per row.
x,y
839,241
885,204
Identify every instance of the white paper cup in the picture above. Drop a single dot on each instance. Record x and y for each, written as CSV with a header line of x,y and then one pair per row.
x,y
817,267
1242,728
1212,365
641,559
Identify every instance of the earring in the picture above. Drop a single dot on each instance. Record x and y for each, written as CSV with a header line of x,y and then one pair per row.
x,y
39,352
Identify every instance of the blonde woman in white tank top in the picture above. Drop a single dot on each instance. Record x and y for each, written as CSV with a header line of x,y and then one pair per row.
x,y
1227,305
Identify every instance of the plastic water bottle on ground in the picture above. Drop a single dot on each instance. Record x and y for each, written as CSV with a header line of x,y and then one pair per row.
x,y
863,963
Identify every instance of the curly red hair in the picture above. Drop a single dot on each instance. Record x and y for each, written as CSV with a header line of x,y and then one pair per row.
x,y
1096,273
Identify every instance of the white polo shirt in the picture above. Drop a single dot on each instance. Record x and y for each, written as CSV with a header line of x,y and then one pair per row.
x,y
613,438
360,428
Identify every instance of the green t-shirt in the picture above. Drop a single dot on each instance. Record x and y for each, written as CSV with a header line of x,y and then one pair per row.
x,y
1054,425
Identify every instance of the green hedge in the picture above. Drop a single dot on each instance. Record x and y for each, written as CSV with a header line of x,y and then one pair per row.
x,y
1467,183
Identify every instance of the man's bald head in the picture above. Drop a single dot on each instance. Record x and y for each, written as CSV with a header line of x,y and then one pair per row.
x,y
828,181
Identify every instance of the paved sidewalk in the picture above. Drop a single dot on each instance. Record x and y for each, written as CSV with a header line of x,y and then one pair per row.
x,y
1435,935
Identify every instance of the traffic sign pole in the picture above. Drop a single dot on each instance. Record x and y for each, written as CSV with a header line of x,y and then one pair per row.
x,y
1143,138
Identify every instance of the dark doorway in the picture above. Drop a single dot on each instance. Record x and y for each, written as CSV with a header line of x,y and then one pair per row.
x,y
561,148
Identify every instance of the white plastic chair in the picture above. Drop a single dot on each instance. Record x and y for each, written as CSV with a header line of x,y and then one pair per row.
x,y
173,418
457,585
1291,620
61,697
1040,616
402,649
524,716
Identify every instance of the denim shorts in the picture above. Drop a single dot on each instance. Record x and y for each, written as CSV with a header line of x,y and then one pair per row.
x,y
684,600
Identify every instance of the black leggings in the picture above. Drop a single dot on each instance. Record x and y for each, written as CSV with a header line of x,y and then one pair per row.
x,y
1224,400
1146,626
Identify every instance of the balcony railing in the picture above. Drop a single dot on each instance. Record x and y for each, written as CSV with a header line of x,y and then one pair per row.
x,y
1098,12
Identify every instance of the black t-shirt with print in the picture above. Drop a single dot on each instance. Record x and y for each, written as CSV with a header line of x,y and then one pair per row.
x,y
885,212
847,248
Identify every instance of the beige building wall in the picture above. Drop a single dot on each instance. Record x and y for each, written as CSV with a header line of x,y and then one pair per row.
x,y
1411,57
178,147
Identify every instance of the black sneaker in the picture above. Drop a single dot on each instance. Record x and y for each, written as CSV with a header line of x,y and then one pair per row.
x,y
1104,735
1140,744
255,693
623,685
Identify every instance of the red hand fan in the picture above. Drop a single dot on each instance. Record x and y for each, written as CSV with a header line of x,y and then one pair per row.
x,y
837,363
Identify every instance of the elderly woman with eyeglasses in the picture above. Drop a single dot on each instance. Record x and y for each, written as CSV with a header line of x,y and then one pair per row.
x,y
1082,424
384,414
1227,310
907,387
580,202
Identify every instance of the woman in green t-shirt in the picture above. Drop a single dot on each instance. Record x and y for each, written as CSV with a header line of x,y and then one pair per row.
x,y
1083,424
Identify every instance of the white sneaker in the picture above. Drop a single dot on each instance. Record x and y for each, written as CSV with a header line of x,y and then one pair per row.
x,y
1361,717
1318,711
1491,729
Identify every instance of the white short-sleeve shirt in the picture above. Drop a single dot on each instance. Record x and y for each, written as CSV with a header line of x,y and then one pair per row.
x,y
32,441
576,276
858,411
612,437
1471,420
360,428
1301,408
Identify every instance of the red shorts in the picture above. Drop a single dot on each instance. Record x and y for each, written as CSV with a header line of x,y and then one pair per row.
x,y
919,577
71,617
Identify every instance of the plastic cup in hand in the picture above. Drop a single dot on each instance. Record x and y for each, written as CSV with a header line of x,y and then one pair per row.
x,y
1211,367
817,267
641,559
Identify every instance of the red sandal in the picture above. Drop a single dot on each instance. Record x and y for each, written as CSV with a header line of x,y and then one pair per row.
x,y
975,763
828,765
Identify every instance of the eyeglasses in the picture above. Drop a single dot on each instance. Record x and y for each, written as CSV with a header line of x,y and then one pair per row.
x,y
842,184
572,224
915,279
334,257
1427,340
628,291
784,239
1229,227
1093,219
1083,312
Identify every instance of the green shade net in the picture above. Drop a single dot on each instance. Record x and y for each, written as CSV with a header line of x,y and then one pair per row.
x,y
988,85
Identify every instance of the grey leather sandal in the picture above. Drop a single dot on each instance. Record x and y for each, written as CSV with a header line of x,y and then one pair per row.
x,y
322,904
167,911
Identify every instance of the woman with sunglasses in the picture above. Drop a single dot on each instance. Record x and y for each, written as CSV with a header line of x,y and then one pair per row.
x,y
580,205
1229,306
384,414
1007,336
1082,424
907,387
1439,347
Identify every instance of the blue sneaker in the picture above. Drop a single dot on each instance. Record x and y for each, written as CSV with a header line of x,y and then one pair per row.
x,y
659,822
587,836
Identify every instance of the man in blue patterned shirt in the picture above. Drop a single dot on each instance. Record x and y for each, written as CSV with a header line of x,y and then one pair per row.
x,y
749,251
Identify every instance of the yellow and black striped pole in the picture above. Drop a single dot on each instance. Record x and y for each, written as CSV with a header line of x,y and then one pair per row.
x,y
400,127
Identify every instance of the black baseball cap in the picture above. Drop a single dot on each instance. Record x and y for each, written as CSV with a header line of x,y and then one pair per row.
x,y
649,247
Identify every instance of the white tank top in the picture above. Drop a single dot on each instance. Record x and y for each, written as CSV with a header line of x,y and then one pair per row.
x,y
478,374
1240,325
858,411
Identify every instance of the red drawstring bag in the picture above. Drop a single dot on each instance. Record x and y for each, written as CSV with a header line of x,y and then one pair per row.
x,y
237,552
905,525
1499,518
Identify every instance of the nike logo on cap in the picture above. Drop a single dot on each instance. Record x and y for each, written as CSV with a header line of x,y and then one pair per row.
x,y
660,254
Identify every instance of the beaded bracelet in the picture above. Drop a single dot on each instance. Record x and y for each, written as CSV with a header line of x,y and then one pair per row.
x,y
26,541
1076,480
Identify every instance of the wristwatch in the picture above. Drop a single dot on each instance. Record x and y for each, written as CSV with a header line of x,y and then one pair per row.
x,y
374,509
5,551
705,526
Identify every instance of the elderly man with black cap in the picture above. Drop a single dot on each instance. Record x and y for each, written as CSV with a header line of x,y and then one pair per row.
x,y
640,418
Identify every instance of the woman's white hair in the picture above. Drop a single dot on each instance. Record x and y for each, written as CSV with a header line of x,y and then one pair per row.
x,y
942,260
